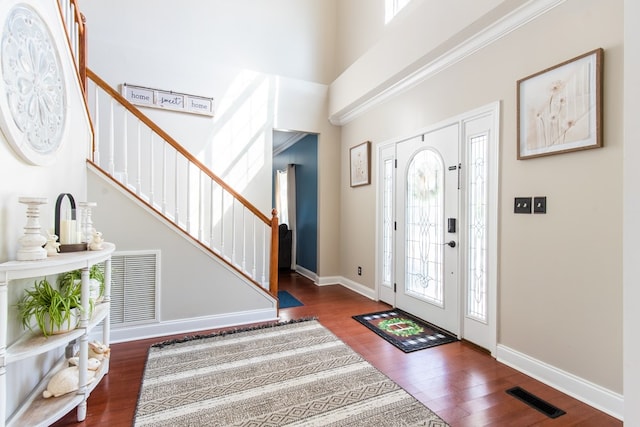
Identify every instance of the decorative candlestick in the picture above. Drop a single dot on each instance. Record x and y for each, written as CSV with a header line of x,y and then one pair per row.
x,y
31,243
86,222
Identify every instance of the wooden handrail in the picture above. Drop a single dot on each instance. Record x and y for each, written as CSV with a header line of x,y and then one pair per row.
x,y
179,148
272,285
79,19
82,47
273,266
84,73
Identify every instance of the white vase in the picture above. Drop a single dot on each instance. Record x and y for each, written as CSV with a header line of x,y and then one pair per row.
x,y
94,289
68,325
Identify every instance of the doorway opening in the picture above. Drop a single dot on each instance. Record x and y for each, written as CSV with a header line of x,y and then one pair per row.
x,y
295,194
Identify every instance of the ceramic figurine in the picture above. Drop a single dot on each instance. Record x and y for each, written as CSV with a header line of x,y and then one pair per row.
x,y
52,246
96,241
66,380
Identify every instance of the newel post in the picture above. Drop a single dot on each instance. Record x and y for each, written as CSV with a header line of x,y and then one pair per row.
x,y
273,268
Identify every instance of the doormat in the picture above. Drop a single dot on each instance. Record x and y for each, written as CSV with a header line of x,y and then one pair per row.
x,y
286,300
405,331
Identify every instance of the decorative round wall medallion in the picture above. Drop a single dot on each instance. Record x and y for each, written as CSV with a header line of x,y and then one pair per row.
x,y
33,102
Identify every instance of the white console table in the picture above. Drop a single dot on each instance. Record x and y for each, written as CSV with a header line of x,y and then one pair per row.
x,y
35,410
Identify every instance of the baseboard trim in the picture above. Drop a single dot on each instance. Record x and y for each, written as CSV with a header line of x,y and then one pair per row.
x,y
359,288
592,394
328,280
307,273
172,327
349,284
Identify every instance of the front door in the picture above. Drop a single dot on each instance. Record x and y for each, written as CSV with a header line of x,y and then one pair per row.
x,y
426,262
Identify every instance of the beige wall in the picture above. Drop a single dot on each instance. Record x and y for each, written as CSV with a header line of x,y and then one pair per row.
x,y
420,33
560,284
631,224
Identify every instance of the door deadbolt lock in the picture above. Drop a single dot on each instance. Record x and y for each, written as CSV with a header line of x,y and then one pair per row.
x,y
451,243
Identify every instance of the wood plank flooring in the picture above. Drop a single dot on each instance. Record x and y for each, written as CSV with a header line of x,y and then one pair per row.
x,y
460,382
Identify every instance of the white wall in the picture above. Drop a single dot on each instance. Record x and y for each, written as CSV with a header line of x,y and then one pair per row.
x,y
67,174
263,73
560,274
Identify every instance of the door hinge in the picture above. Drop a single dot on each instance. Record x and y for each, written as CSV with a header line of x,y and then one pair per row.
x,y
395,226
395,288
396,163
459,177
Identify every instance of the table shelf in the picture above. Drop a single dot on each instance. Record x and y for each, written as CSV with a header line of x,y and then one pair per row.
x,y
35,410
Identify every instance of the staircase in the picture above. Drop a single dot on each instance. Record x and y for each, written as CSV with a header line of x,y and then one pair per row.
x,y
139,157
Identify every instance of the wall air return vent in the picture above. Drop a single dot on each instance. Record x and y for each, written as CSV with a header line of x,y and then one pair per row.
x,y
135,279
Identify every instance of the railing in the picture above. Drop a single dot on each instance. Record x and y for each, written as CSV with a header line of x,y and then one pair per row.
x,y
74,22
146,161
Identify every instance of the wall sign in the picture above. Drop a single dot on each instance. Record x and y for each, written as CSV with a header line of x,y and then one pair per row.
x,y
169,100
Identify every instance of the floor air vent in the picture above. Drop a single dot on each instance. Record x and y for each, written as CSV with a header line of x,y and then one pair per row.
x,y
535,402
134,288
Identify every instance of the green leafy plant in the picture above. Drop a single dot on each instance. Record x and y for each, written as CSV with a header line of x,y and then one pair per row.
x,y
49,307
73,277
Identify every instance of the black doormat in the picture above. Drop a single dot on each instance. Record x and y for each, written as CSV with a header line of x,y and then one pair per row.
x,y
405,331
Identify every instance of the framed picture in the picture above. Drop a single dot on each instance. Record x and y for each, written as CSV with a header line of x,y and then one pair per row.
x,y
560,108
360,164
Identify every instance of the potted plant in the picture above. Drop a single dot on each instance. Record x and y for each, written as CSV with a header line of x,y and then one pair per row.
x,y
54,311
96,281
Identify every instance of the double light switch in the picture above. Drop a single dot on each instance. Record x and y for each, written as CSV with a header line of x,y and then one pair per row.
x,y
526,205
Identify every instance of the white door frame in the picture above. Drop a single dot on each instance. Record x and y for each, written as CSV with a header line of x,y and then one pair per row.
x,y
493,112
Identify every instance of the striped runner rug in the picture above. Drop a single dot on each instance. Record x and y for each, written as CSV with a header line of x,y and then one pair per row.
x,y
286,374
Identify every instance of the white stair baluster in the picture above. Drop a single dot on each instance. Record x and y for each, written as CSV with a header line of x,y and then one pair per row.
x,y
188,196
151,170
138,161
164,179
96,127
177,191
112,130
125,150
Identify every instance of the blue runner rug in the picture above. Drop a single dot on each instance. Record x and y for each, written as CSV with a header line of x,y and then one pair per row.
x,y
287,300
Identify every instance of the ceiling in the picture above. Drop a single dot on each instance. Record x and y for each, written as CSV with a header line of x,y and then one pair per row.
x,y
283,139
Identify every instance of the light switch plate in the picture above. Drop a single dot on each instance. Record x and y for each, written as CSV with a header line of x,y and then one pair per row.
x,y
522,205
540,205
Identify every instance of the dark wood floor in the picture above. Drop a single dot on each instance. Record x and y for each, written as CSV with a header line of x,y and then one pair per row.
x,y
461,383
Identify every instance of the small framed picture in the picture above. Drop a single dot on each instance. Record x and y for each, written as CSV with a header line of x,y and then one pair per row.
x,y
360,164
560,108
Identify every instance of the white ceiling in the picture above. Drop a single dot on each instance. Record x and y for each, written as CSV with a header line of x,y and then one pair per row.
x,y
285,139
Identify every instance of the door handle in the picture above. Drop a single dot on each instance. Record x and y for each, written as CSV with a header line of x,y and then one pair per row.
x,y
451,243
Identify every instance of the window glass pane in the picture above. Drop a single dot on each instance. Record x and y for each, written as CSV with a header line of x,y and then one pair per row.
x,y
425,227
392,7
477,231
387,224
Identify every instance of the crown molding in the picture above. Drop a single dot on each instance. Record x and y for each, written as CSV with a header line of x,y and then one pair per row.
x,y
510,22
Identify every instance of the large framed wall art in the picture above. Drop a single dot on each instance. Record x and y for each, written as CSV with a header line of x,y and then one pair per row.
x,y
560,108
